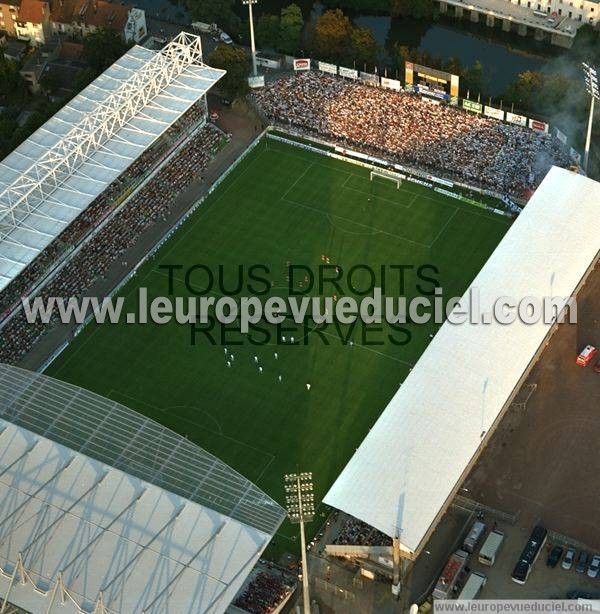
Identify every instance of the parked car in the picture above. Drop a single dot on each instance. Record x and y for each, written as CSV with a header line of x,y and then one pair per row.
x,y
592,571
554,556
582,560
597,367
225,38
567,562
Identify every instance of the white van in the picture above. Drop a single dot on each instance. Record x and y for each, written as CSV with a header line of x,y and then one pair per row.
x,y
490,548
475,534
475,582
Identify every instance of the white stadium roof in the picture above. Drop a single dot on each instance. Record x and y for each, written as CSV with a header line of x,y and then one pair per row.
x,y
103,510
62,167
406,471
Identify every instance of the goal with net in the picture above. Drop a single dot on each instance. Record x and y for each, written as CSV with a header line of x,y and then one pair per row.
x,y
387,175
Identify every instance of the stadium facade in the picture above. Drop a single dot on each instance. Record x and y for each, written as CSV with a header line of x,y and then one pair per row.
x,y
53,176
406,472
103,510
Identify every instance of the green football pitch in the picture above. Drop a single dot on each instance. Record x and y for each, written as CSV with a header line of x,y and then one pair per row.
x,y
283,205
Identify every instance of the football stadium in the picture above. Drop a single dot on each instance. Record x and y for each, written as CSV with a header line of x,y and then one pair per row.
x,y
142,465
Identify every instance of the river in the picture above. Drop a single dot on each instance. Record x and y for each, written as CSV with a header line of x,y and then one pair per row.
x,y
503,57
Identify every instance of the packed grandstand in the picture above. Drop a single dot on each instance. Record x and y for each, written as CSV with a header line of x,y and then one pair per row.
x,y
412,129
397,126
121,231
403,127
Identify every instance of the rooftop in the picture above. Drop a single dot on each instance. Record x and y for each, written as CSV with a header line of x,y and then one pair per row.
x,y
34,11
95,513
47,182
407,470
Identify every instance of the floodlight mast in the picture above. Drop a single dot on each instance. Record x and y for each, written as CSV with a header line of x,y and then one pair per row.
x,y
592,88
252,44
300,506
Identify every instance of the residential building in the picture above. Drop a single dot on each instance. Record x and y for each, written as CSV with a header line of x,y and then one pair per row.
x,y
579,10
33,21
82,17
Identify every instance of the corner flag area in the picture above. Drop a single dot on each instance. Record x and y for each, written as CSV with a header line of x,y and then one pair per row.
x,y
265,407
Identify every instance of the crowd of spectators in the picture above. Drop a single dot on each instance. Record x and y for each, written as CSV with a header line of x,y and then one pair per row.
x,y
413,130
356,533
101,207
120,232
263,594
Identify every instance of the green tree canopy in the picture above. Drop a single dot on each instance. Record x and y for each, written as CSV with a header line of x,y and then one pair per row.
x,y
473,78
234,60
454,66
102,48
521,91
331,36
360,6
267,31
586,46
13,89
364,46
215,11
419,9
291,27
50,82
547,94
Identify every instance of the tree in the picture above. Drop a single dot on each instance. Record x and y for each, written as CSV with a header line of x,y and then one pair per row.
x,y
401,8
586,45
84,78
13,89
550,95
215,11
364,46
267,31
331,36
423,9
234,60
473,78
102,48
360,6
403,54
50,82
419,9
291,27
454,66
521,91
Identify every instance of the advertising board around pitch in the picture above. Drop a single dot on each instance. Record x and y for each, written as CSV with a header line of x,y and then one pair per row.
x,y
391,84
535,124
513,118
302,64
328,68
349,73
471,105
493,112
369,78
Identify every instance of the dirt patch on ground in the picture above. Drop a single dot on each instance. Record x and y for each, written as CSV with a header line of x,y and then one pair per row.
x,y
543,461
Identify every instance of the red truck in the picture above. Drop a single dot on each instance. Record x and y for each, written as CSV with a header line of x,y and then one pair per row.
x,y
586,356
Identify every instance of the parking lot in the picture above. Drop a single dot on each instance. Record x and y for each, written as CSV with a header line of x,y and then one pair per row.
x,y
542,462
543,583
542,465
